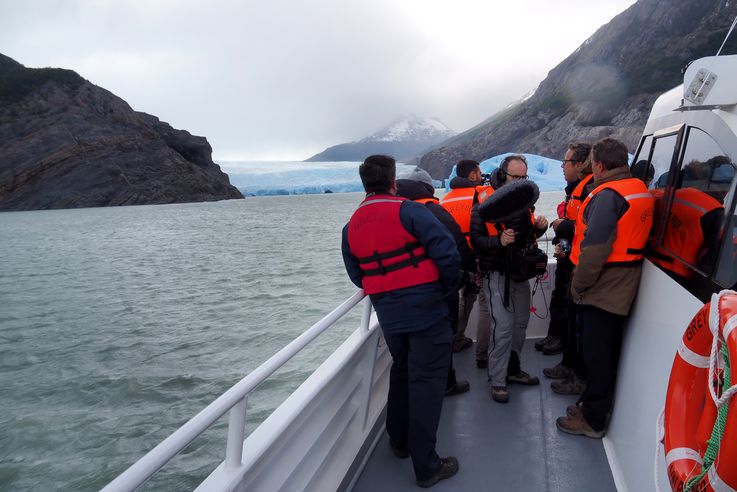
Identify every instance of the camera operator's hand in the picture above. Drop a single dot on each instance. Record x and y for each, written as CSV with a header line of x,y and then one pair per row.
x,y
541,222
507,237
558,251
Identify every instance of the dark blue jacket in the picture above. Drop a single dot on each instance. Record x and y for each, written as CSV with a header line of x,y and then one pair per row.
x,y
418,307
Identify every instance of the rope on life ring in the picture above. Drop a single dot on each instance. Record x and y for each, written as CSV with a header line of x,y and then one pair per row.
x,y
700,413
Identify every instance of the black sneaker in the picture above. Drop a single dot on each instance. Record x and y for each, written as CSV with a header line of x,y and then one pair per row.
x,y
463,344
458,388
448,468
400,452
540,343
523,378
553,347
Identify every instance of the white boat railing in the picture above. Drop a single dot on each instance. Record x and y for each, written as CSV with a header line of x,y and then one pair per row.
x,y
233,400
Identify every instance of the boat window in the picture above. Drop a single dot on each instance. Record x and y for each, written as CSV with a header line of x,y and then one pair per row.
x,y
655,174
726,272
662,156
641,163
693,227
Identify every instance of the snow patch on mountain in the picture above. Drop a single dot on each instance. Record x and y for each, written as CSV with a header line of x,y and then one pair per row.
x,y
412,128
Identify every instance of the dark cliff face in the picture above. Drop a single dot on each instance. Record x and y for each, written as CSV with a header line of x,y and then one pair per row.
x,y
605,88
66,143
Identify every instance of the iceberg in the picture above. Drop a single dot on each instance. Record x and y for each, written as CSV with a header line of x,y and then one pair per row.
x,y
295,177
545,172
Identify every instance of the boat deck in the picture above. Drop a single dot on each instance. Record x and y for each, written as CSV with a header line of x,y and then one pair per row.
x,y
513,446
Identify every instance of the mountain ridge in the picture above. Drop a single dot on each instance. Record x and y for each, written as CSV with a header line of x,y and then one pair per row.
x,y
604,88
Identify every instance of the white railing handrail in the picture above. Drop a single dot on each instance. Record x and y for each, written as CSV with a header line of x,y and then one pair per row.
x,y
155,459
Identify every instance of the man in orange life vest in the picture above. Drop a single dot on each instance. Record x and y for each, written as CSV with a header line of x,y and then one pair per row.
x,y
407,262
573,161
466,189
564,331
612,228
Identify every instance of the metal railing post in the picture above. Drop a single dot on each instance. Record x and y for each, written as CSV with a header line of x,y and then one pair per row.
x,y
366,316
236,434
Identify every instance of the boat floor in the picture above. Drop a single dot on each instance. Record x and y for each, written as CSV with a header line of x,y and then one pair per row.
x,y
513,446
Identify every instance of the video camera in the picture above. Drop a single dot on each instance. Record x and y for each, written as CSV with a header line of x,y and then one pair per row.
x,y
486,178
510,206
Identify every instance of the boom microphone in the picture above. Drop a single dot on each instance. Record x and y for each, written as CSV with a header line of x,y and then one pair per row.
x,y
509,200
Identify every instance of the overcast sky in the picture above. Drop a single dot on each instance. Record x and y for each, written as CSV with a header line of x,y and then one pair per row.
x,y
278,79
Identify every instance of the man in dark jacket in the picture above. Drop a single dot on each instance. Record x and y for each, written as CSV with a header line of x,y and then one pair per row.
x,y
510,318
417,185
467,189
408,263
610,236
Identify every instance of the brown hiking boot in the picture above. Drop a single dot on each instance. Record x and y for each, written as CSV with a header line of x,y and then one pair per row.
x,y
577,426
558,371
499,394
523,378
541,343
448,468
553,347
573,411
570,386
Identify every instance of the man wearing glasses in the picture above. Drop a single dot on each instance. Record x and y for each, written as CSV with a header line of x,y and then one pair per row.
x,y
495,248
563,332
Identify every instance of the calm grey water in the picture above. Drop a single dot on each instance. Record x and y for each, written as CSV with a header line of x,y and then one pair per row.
x,y
117,325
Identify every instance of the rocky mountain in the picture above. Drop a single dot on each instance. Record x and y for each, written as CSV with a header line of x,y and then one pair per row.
x,y
66,143
404,138
604,88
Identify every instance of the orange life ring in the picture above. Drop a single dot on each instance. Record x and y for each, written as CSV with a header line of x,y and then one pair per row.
x,y
690,411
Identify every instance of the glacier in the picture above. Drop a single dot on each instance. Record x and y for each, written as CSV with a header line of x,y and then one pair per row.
x,y
255,178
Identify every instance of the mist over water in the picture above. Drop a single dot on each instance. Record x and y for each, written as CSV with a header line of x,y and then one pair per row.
x,y
117,325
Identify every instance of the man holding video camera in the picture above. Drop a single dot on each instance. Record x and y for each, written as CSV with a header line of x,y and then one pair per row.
x,y
501,248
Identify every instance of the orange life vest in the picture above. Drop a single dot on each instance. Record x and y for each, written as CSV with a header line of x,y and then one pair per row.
x,y
576,200
390,257
632,228
485,192
458,202
683,236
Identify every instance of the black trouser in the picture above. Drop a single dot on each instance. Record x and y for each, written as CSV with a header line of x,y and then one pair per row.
x,y
416,390
573,354
602,343
558,326
453,302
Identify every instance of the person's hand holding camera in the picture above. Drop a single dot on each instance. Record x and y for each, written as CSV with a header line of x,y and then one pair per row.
x,y
558,251
507,237
541,222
